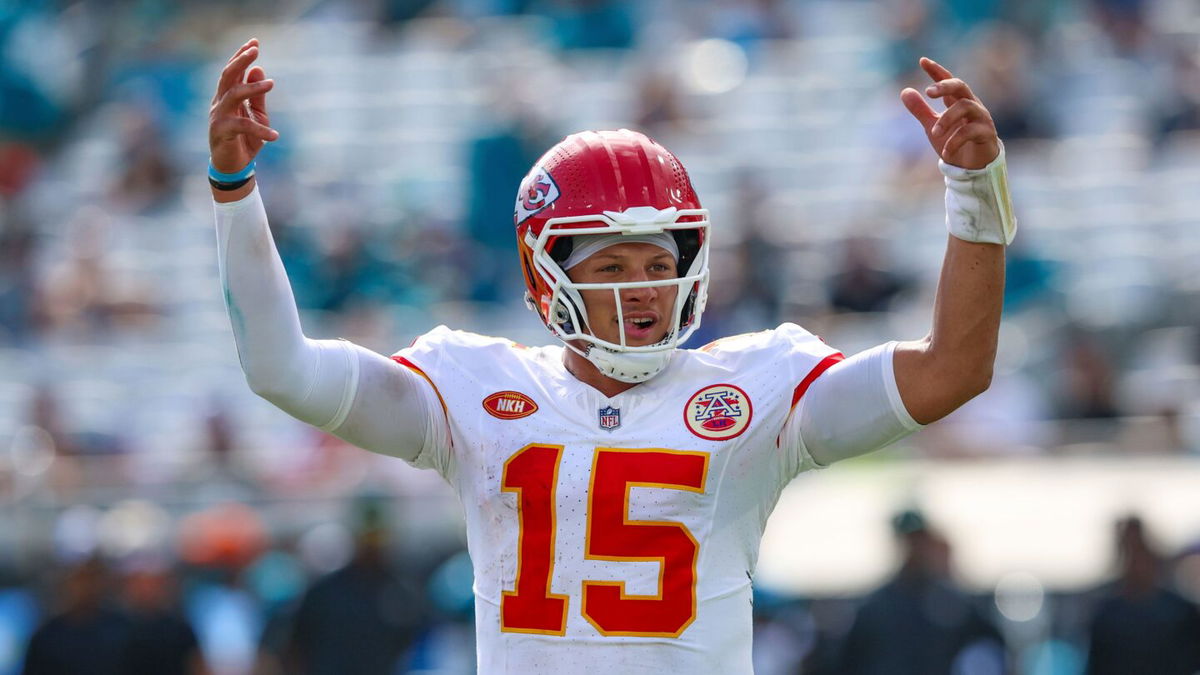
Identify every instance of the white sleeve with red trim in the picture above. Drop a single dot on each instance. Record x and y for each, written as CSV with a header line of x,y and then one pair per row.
x,y
337,386
852,408
454,364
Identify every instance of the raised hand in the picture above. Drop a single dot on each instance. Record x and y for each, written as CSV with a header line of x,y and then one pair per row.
x,y
964,135
238,123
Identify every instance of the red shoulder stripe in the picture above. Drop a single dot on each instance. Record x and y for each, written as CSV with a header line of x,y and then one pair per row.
x,y
417,369
813,374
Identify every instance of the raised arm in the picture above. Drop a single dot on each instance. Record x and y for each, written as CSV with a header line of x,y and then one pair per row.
x,y
337,386
953,363
898,387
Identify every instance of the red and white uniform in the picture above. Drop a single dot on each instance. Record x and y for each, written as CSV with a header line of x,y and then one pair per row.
x,y
630,543
607,533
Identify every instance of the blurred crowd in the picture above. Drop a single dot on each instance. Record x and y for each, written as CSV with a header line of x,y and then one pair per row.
x,y
390,192
224,596
365,601
825,196
921,621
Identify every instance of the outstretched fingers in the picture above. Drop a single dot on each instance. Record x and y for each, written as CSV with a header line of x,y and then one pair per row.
x,y
935,70
252,42
235,71
963,110
258,100
975,132
950,90
235,126
233,111
234,100
963,135
919,107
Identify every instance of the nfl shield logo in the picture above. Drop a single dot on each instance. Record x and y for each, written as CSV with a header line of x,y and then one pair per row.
x,y
610,418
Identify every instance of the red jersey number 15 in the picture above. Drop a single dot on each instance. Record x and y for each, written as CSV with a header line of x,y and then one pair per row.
x,y
532,473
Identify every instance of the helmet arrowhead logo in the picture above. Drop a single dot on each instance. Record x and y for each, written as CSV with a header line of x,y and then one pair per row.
x,y
538,191
536,194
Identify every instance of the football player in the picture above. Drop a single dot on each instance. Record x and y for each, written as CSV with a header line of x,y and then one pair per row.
x,y
616,486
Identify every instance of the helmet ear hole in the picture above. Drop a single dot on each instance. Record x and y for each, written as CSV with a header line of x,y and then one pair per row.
x,y
561,250
560,315
688,242
686,312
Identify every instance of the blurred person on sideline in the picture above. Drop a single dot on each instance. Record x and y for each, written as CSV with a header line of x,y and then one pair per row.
x,y
87,635
591,24
919,622
161,641
499,152
217,544
1141,626
360,619
1088,379
1180,111
82,296
147,179
863,283
18,280
660,110
573,461
750,290
759,254
1001,56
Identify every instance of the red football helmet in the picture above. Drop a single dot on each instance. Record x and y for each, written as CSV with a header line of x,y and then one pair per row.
x,y
604,183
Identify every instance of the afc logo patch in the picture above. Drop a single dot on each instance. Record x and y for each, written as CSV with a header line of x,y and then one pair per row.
x,y
718,412
610,418
537,191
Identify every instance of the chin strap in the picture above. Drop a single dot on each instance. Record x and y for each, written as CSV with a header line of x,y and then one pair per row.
x,y
629,367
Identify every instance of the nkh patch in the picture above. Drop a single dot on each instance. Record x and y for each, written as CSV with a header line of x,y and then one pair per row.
x,y
509,405
610,418
537,191
718,412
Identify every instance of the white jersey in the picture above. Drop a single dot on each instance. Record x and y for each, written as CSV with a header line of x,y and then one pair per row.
x,y
617,533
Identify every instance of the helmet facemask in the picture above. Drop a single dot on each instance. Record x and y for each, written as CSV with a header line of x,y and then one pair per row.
x,y
562,306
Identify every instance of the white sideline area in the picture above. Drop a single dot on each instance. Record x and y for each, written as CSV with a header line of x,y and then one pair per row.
x,y
1051,518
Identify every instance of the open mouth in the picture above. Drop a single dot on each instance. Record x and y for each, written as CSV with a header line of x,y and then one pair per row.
x,y
640,326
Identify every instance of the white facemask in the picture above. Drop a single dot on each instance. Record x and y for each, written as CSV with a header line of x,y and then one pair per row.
x,y
568,315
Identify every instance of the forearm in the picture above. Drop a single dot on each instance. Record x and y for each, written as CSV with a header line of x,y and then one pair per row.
x,y
335,385
272,349
954,362
317,381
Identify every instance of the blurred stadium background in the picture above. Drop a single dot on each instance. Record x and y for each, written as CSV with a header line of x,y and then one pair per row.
x,y
135,463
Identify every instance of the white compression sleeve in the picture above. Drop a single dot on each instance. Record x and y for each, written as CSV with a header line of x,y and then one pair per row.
x,y
352,392
851,409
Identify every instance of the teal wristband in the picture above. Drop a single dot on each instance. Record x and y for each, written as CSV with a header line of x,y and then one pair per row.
x,y
219,177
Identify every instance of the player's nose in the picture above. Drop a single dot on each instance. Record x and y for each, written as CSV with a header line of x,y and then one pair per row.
x,y
643,294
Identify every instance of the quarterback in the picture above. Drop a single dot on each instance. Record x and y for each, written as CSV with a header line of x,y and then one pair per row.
x,y
616,486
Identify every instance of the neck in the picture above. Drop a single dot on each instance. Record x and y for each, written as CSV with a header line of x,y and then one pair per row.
x,y
586,372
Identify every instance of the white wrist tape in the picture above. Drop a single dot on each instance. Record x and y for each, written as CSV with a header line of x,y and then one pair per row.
x,y
978,206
